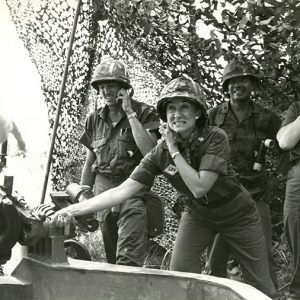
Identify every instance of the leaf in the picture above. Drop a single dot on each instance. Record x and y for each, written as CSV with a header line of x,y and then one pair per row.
x,y
275,45
287,26
266,22
149,5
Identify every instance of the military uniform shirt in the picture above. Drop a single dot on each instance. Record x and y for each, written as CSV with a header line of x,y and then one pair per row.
x,y
209,150
290,116
114,146
245,138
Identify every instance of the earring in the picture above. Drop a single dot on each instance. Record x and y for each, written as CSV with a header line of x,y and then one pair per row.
x,y
197,117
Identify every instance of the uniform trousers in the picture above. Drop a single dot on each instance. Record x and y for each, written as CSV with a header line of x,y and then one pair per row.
x,y
220,251
124,228
239,223
291,217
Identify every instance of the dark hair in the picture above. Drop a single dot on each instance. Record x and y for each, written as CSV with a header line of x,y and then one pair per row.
x,y
202,121
162,112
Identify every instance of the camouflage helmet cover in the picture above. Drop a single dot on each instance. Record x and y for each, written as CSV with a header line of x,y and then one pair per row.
x,y
183,87
237,69
111,70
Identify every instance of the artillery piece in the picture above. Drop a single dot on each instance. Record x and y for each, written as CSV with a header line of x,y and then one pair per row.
x,y
36,232
46,272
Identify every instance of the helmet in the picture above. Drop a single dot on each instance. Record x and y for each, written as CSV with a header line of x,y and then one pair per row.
x,y
111,70
236,69
183,87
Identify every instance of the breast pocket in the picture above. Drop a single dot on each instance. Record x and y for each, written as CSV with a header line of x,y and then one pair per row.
x,y
127,145
262,125
101,150
99,143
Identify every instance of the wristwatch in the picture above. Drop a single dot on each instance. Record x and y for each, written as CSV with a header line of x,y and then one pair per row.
x,y
132,115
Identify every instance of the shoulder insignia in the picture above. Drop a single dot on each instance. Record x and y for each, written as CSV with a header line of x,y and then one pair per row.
x,y
171,170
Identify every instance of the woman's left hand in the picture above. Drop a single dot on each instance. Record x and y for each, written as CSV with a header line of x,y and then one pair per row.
x,y
62,218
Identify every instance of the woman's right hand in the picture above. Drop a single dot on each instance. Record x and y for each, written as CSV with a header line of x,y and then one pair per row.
x,y
170,137
62,218
163,129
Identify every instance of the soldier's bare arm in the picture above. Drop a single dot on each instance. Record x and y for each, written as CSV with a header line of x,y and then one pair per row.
x,y
289,135
88,176
144,139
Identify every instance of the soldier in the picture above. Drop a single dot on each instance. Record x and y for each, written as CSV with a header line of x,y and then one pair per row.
x,y
288,138
117,136
8,126
11,227
247,124
10,223
195,159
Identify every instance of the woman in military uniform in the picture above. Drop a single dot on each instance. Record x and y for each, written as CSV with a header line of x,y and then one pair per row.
x,y
195,159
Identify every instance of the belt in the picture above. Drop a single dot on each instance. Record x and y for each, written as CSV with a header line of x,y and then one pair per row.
x,y
116,179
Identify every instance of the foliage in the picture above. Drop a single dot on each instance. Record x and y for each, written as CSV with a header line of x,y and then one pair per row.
x,y
173,36
163,38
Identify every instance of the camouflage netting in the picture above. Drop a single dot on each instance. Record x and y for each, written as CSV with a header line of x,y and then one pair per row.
x,y
158,40
45,27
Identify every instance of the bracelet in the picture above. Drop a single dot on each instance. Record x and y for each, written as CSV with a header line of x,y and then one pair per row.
x,y
132,115
174,154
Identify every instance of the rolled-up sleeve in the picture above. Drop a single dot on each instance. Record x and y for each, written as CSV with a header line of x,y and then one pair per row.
x,y
149,119
142,175
152,125
217,153
146,171
291,114
86,137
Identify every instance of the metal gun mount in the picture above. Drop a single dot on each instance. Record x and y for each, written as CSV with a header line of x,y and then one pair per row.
x,y
45,241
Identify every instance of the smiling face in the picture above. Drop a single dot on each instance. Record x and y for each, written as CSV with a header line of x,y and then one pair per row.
x,y
240,88
182,115
110,91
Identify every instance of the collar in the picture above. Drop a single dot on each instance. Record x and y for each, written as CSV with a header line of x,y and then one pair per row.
x,y
200,137
104,111
197,138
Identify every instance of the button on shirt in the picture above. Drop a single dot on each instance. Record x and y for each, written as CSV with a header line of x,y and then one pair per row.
x,y
114,146
209,150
